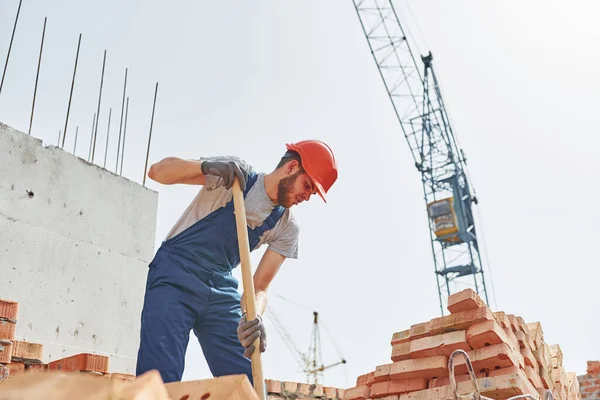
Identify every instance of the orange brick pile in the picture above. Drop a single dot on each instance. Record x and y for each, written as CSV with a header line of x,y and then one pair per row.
x,y
284,390
509,358
17,356
23,375
589,384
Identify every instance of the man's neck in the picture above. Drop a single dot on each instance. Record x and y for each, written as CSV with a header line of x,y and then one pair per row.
x,y
271,180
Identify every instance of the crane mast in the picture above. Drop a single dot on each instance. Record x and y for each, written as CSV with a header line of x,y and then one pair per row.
x,y
417,102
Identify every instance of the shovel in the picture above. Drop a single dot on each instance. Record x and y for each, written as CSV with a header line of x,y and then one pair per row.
x,y
242,234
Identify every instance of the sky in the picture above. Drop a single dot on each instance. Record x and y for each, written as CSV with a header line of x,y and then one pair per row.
x,y
243,78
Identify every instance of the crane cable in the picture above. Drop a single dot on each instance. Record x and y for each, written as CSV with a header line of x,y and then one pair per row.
x,y
320,320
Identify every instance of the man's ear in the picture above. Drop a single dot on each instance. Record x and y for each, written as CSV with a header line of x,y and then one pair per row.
x,y
292,167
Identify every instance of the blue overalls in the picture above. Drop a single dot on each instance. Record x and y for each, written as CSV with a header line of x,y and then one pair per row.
x,y
190,286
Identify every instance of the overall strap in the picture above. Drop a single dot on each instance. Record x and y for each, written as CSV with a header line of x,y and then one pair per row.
x,y
252,178
270,221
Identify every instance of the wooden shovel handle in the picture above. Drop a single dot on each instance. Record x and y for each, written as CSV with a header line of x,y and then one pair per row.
x,y
248,283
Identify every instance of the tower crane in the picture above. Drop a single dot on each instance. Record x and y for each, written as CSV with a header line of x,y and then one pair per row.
x,y
417,102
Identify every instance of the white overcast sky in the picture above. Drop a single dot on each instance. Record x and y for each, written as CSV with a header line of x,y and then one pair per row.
x,y
243,78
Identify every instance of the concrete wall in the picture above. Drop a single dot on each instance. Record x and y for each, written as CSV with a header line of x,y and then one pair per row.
x,y
75,242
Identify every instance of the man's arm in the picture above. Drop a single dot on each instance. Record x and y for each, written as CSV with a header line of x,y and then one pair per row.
x,y
249,331
172,170
265,272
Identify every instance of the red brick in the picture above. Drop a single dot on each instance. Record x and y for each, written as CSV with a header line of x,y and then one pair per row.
x,y
330,392
593,367
36,367
463,301
318,390
556,352
546,378
9,309
365,379
459,321
379,389
439,345
16,367
524,340
523,325
401,351
27,350
502,319
407,385
400,337
486,333
7,330
357,393
304,388
533,377
5,351
530,359
514,325
488,359
273,386
81,362
420,330
536,332
513,341
4,372
439,382
498,387
382,373
290,386
542,355
430,367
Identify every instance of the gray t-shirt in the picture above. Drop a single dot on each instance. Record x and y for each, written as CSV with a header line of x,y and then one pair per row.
x,y
283,238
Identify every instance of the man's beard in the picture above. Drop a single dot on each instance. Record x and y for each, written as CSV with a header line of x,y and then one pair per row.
x,y
284,188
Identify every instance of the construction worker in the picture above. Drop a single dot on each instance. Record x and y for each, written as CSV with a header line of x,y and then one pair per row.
x,y
190,285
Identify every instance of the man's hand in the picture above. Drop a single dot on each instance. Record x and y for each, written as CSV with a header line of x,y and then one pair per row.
x,y
227,170
248,332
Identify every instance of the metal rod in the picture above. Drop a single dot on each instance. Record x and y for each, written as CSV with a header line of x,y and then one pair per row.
x,y
150,134
76,133
37,75
92,137
98,113
107,136
58,142
121,124
10,46
71,94
124,134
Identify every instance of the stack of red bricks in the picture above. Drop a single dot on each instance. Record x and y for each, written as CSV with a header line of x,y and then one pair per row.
x,y
508,355
589,384
17,357
284,390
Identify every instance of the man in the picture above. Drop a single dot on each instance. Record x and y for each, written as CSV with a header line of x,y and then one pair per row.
x,y
190,285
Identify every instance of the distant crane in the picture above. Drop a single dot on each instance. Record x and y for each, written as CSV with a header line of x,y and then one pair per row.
x,y
311,362
417,102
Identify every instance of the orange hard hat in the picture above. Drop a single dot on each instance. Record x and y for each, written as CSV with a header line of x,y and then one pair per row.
x,y
319,163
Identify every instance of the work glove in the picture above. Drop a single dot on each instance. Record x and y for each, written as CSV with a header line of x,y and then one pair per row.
x,y
249,331
227,170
